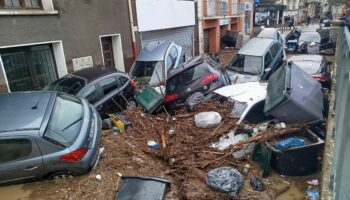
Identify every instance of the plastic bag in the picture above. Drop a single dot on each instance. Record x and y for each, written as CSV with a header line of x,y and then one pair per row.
x,y
256,184
312,194
225,180
290,143
193,100
207,119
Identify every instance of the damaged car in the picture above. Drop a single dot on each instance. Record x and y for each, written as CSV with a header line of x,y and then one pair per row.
x,y
316,66
46,135
255,61
201,74
107,89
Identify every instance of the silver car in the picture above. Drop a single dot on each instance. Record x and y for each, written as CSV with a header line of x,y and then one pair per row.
x,y
46,134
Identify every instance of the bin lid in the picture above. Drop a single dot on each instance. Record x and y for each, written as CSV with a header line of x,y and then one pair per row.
x,y
148,98
277,88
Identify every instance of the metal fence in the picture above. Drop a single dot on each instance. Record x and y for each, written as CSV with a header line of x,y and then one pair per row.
x,y
218,8
340,166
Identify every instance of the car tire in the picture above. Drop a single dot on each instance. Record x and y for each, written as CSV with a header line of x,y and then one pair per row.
x,y
60,175
131,104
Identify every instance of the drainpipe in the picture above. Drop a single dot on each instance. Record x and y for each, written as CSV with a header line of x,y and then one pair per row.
x,y
132,29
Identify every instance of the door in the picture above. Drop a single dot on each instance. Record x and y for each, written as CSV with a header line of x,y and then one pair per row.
x,y
107,49
29,68
20,159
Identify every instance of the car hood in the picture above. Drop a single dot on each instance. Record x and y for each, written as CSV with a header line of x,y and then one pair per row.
x,y
244,92
243,78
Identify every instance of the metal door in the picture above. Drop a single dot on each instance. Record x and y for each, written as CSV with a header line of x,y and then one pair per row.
x,y
107,49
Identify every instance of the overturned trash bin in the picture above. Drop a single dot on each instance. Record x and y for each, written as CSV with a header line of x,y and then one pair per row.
x,y
293,96
142,187
225,180
300,160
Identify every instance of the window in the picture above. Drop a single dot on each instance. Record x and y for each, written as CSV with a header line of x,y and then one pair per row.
x,y
148,72
267,60
20,4
108,85
274,49
14,149
91,95
66,121
246,64
70,85
123,80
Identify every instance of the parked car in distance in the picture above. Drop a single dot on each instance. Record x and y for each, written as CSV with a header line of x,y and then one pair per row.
x,y
255,61
313,40
316,66
46,134
107,89
201,74
154,62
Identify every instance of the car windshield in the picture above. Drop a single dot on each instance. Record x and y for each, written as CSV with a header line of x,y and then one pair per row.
x,y
310,38
310,67
148,72
246,64
66,120
70,85
185,77
238,109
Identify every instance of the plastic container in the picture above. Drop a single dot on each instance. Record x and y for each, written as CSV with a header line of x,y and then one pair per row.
x,y
297,161
293,96
149,99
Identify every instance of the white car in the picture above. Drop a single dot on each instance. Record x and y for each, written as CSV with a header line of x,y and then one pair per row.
x,y
248,106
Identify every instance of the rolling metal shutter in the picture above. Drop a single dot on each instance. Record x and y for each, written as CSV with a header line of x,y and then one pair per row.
x,y
182,36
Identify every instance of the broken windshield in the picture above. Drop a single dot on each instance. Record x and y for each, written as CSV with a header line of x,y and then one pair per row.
x,y
246,64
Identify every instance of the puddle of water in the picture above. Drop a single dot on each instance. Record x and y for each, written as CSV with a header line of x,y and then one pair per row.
x,y
293,193
14,192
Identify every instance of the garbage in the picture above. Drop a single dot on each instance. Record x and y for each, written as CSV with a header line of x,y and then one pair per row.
x,y
117,122
245,151
230,139
154,145
280,126
171,131
116,130
122,118
107,123
313,182
290,143
256,184
193,100
312,194
98,177
225,180
207,119
246,169
142,187
149,99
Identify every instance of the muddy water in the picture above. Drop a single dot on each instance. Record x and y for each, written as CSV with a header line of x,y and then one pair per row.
x,y
14,192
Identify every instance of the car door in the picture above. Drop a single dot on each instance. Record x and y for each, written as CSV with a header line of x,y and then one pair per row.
x,y
111,101
20,159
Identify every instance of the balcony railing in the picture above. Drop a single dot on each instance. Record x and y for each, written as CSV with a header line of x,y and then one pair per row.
x,y
221,8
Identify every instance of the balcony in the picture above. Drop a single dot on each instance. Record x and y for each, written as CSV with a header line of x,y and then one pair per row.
x,y
222,8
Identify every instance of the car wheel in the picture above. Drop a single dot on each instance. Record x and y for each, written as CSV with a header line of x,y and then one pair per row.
x,y
131,104
60,175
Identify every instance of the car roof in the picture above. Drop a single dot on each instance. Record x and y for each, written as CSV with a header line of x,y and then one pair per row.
x,y
154,51
314,58
256,46
18,111
93,73
269,33
249,92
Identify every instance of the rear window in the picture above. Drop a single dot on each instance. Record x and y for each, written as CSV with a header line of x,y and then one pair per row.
x,y
69,85
246,64
310,67
14,149
310,38
66,120
186,77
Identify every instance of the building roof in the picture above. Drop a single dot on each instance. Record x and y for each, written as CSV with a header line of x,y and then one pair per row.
x,y
18,111
256,46
94,73
154,51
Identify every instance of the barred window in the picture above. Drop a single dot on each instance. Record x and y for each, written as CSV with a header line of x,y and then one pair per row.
x,y
20,4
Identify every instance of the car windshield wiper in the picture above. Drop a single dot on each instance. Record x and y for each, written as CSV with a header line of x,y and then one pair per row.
x,y
71,124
